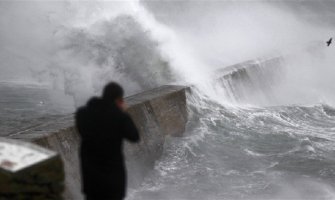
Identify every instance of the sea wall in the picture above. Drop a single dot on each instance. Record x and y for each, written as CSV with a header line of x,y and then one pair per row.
x,y
157,113
252,81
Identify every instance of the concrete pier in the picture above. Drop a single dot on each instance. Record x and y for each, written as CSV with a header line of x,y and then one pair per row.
x,y
157,113
252,81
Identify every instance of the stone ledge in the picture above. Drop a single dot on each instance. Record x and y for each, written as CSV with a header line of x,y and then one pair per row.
x,y
28,171
158,112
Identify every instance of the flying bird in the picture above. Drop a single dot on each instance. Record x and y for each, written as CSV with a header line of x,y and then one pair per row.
x,y
329,41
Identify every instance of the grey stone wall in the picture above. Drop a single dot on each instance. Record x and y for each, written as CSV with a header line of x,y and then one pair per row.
x,y
252,81
157,113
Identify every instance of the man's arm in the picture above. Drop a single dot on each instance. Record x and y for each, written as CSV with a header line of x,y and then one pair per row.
x,y
129,129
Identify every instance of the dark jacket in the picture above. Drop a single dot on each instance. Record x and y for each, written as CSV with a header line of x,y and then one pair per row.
x,y
102,127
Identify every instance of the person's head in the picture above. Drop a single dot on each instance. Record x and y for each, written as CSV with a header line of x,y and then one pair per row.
x,y
113,93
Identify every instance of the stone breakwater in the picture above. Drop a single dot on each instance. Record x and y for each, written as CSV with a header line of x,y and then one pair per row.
x,y
157,113
252,81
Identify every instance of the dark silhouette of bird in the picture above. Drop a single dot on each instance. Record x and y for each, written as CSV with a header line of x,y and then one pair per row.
x,y
329,41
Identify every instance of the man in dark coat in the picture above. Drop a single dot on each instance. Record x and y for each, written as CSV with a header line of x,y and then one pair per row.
x,y
103,124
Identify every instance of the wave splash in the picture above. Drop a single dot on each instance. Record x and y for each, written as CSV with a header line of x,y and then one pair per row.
x,y
265,131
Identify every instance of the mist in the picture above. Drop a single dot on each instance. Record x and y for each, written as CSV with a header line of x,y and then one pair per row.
x,y
78,46
222,33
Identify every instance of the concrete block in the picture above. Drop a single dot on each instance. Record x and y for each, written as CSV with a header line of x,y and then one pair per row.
x,y
28,171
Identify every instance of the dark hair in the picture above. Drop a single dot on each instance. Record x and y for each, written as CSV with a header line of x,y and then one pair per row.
x,y
112,91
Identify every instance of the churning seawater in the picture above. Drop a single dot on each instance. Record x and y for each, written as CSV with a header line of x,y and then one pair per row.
x,y
281,152
23,106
